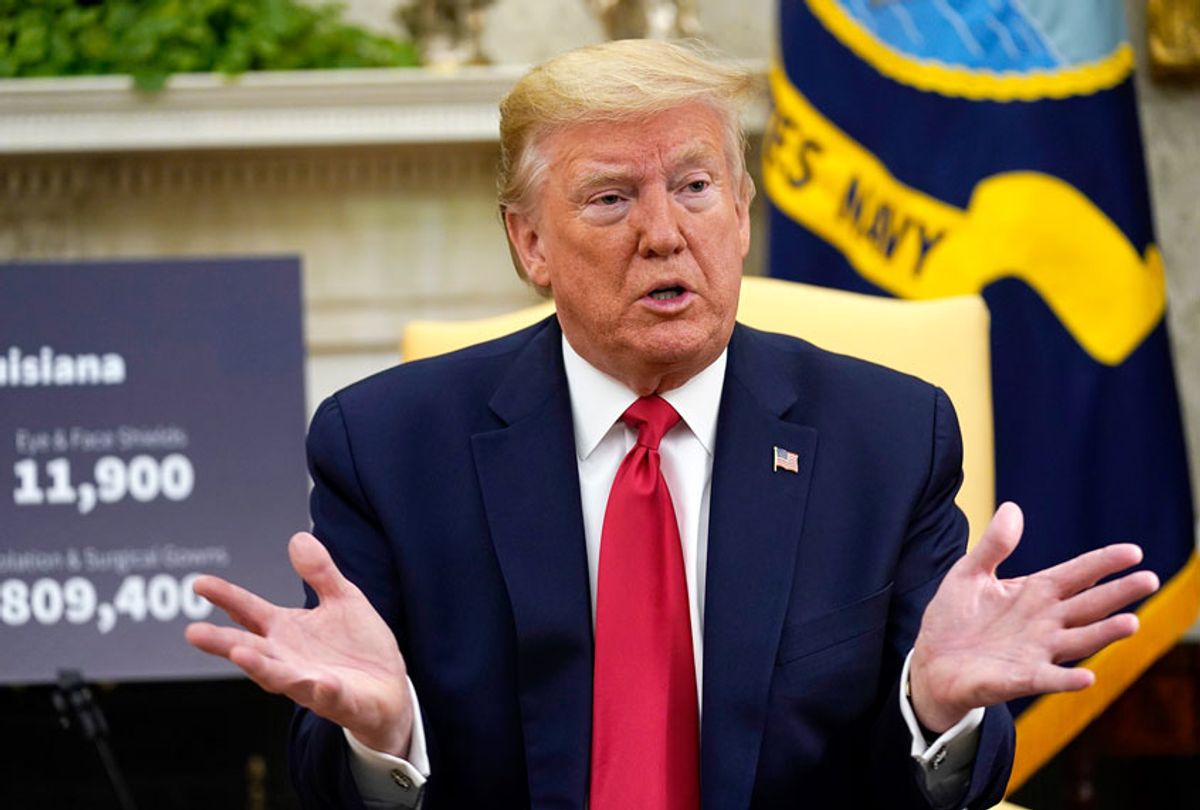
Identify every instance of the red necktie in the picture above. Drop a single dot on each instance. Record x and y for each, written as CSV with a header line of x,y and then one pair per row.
x,y
645,723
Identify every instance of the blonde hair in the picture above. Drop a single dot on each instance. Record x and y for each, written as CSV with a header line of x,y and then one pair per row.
x,y
614,81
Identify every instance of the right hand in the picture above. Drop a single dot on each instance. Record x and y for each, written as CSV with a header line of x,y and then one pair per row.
x,y
338,659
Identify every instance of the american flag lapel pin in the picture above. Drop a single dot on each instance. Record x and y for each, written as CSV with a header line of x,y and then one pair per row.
x,y
785,460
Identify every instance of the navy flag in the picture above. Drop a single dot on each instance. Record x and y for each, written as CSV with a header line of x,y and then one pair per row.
x,y
925,148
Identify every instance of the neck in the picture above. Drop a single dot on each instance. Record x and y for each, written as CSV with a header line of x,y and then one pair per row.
x,y
647,384
645,379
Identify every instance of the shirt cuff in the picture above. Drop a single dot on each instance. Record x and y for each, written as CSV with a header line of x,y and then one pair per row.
x,y
386,781
933,755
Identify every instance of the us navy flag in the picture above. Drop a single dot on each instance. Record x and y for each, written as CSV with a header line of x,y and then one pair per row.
x,y
923,148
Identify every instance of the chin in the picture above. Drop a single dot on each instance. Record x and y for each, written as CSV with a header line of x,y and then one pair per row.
x,y
681,347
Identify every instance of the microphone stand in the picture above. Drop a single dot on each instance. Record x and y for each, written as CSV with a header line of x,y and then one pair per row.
x,y
73,700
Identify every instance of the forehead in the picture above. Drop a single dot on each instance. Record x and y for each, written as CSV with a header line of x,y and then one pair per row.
x,y
691,134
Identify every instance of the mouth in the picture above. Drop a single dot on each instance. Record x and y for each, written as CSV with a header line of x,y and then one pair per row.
x,y
667,293
670,299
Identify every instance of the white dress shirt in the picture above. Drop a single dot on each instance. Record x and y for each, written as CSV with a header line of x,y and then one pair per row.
x,y
601,442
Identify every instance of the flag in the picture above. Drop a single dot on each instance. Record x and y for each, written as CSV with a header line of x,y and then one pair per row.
x,y
785,460
925,148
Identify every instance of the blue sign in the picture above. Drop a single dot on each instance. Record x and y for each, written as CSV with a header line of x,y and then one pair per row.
x,y
151,429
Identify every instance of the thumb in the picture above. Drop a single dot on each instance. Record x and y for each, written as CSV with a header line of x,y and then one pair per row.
x,y
999,539
314,565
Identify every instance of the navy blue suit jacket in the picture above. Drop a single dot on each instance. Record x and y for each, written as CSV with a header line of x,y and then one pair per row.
x,y
448,490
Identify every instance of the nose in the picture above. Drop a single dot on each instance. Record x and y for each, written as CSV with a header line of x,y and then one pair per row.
x,y
657,221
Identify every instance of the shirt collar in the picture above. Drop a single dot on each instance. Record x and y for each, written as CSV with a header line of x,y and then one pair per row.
x,y
598,400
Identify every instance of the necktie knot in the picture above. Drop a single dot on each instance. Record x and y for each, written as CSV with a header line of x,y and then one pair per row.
x,y
651,417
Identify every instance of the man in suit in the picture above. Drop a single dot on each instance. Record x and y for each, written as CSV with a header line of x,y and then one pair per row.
x,y
638,556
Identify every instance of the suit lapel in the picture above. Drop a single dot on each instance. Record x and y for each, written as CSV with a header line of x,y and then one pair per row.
x,y
530,483
755,524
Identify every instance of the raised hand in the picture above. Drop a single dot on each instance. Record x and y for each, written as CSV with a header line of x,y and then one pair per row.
x,y
338,659
985,640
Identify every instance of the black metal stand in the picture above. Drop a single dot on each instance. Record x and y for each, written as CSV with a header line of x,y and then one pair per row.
x,y
73,700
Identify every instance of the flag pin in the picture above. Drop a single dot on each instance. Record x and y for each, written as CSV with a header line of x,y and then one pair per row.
x,y
785,460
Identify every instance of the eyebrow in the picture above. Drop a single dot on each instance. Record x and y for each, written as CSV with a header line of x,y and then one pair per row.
x,y
605,177
692,156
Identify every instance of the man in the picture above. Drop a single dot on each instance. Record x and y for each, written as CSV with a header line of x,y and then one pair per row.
x,y
637,556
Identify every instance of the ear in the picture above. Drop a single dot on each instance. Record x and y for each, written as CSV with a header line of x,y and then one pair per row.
x,y
743,217
526,244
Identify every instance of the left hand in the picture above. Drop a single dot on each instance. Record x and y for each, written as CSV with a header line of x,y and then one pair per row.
x,y
985,640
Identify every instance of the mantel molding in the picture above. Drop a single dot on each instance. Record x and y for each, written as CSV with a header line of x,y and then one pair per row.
x,y
262,110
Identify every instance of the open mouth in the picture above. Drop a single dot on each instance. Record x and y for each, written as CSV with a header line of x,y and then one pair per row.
x,y
666,293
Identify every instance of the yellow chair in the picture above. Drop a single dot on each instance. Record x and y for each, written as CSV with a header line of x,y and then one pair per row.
x,y
944,341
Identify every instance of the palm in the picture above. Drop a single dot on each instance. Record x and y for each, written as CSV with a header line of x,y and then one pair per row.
x,y
338,659
985,640
342,644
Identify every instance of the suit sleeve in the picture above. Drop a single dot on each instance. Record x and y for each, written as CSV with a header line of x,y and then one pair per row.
x,y
936,537
344,520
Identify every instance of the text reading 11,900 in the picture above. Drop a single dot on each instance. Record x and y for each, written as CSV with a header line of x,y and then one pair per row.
x,y
142,478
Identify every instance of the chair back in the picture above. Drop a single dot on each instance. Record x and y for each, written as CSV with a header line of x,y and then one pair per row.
x,y
944,341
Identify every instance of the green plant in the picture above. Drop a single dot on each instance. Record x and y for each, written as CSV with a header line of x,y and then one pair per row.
x,y
152,39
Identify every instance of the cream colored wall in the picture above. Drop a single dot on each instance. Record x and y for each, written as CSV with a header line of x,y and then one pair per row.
x,y
528,31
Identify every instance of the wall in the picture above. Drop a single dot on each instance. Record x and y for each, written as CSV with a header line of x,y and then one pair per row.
x,y
528,31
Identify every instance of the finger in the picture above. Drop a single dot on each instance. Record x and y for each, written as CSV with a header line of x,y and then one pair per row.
x,y
1078,643
246,608
1053,678
1097,602
1045,679
272,675
282,678
1087,569
216,640
314,565
999,539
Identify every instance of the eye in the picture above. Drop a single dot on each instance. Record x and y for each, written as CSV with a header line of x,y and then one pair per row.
x,y
697,186
607,199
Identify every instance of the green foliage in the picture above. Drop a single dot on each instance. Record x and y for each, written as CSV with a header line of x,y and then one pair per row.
x,y
152,39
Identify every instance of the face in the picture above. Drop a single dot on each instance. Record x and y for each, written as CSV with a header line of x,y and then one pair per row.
x,y
639,232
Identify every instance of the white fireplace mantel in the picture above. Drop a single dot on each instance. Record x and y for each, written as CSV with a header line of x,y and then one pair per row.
x,y
261,110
